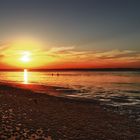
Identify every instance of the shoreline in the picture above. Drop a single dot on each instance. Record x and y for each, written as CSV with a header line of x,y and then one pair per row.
x,y
131,111
66,119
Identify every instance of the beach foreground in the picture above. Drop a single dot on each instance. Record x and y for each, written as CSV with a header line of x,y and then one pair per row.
x,y
25,114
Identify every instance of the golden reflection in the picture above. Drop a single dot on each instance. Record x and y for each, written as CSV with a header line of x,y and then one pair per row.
x,y
25,76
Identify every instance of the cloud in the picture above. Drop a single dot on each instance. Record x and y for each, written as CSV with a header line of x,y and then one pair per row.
x,y
72,53
4,46
115,54
61,49
1,56
65,54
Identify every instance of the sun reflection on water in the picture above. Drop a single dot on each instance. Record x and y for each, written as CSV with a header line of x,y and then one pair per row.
x,y
25,80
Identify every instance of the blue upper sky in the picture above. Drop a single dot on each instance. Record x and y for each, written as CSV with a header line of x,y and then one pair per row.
x,y
86,24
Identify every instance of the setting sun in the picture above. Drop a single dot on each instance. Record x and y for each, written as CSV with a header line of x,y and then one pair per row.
x,y
25,53
26,57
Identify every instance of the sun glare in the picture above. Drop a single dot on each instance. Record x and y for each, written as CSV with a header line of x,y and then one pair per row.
x,y
27,54
25,59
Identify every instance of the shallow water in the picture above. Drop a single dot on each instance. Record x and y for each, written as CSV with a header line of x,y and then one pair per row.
x,y
115,88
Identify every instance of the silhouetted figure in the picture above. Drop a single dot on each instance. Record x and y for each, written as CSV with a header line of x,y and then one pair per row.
x,y
52,74
57,74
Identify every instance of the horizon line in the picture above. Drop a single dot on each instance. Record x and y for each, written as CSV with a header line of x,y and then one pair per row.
x,y
75,69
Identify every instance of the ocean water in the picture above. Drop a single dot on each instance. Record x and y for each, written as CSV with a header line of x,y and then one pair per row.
x,y
115,88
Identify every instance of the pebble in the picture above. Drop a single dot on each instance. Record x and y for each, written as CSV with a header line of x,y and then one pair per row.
x,y
11,130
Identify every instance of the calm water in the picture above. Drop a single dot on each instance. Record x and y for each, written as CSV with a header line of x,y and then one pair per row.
x,y
116,88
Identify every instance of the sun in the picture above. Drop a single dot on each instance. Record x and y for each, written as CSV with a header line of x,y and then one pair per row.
x,y
25,57
27,54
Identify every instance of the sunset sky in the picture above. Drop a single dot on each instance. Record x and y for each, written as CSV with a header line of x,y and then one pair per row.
x,y
69,34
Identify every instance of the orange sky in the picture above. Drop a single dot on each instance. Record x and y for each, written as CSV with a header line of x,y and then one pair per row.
x,y
31,54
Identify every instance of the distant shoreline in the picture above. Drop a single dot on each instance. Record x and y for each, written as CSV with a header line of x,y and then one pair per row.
x,y
79,69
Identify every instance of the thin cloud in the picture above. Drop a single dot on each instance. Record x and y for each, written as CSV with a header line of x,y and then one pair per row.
x,y
71,54
61,49
4,46
114,54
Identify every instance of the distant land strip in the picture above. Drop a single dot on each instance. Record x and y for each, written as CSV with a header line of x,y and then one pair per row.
x,y
78,69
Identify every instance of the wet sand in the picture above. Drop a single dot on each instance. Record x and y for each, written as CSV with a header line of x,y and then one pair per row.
x,y
25,114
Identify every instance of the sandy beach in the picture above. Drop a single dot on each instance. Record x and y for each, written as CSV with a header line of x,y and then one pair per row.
x,y
25,114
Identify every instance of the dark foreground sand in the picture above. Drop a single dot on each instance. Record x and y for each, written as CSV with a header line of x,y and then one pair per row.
x,y
27,115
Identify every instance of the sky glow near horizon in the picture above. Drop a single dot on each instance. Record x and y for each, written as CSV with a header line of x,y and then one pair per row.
x,y
69,34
